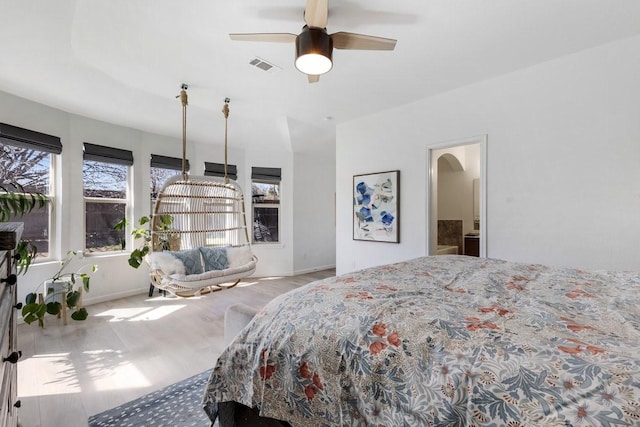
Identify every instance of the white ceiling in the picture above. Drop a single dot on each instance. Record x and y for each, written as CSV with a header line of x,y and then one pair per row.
x,y
123,61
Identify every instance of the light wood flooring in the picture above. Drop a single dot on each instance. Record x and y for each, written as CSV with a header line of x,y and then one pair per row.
x,y
127,348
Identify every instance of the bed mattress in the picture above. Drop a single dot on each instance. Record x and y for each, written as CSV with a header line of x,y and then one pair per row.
x,y
445,341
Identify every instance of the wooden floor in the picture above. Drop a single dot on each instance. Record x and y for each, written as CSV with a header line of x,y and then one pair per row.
x,y
127,348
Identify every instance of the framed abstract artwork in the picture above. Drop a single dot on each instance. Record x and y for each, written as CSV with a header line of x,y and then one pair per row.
x,y
375,206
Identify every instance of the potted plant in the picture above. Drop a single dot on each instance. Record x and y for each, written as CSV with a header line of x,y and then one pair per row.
x,y
61,291
14,203
164,240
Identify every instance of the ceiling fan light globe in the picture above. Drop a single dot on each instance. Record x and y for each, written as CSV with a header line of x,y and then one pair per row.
x,y
314,48
313,64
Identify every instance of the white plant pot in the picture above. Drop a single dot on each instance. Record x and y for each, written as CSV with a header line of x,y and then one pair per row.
x,y
55,290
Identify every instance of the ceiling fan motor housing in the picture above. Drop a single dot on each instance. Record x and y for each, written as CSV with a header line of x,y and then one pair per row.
x,y
314,49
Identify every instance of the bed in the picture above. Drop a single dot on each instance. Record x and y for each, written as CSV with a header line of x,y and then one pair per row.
x,y
440,341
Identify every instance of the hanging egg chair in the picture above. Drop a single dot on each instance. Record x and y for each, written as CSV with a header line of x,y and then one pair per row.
x,y
199,235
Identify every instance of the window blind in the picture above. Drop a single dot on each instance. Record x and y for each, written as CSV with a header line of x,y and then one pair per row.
x,y
266,174
217,169
100,153
165,162
26,138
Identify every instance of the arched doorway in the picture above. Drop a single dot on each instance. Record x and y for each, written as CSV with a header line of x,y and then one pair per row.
x,y
461,209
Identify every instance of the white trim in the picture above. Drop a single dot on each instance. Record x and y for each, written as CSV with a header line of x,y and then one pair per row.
x,y
277,206
483,199
431,228
111,297
54,206
313,269
127,201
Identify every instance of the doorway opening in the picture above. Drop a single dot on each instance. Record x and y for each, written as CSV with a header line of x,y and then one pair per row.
x,y
456,197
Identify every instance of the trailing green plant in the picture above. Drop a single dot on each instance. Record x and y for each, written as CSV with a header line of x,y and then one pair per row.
x,y
71,285
26,253
16,202
143,231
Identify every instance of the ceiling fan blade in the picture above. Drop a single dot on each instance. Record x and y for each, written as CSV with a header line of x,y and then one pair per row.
x,y
344,40
264,37
312,78
316,13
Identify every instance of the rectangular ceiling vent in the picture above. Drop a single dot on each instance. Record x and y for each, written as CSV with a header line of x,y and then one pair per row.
x,y
264,65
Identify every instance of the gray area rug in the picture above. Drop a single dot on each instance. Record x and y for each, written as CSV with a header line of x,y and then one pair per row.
x,y
178,405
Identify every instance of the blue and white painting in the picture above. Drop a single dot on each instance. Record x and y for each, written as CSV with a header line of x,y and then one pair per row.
x,y
375,206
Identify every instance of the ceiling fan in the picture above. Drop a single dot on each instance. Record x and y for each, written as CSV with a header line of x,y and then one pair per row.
x,y
314,46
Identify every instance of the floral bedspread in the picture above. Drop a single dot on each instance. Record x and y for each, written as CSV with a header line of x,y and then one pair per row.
x,y
443,341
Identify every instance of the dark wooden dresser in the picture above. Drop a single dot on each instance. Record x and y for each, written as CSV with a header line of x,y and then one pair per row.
x,y
10,233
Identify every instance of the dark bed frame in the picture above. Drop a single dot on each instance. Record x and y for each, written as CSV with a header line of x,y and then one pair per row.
x,y
232,414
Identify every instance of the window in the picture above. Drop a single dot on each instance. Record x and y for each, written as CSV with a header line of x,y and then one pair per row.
x,y
163,168
105,174
27,159
265,196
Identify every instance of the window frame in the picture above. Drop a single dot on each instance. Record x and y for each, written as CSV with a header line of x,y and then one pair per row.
x,y
167,163
272,176
52,145
108,155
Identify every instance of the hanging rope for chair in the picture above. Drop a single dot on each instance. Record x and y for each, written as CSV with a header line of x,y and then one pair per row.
x,y
225,112
184,101
199,232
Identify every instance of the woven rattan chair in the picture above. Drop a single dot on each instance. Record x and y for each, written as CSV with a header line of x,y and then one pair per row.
x,y
206,212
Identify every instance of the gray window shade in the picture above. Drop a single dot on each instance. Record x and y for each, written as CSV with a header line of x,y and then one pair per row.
x,y
100,153
166,162
217,169
26,138
265,174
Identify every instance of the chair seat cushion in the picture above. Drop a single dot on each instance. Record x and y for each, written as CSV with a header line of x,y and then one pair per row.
x,y
213,275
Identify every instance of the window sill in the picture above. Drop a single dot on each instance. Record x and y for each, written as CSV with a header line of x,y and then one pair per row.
x,y
110,254
268,245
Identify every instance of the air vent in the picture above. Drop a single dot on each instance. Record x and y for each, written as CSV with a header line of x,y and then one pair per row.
x,y
264,65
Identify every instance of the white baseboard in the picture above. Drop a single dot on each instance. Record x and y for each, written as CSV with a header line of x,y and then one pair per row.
x,y
313,269
117,295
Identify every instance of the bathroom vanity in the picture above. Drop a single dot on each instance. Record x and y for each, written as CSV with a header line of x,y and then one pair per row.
x,y
472,244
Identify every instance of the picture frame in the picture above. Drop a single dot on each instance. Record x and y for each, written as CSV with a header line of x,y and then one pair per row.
x,y
376,203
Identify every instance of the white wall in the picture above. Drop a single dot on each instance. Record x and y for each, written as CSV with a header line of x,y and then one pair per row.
x,y
314,213
115,278
562,162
